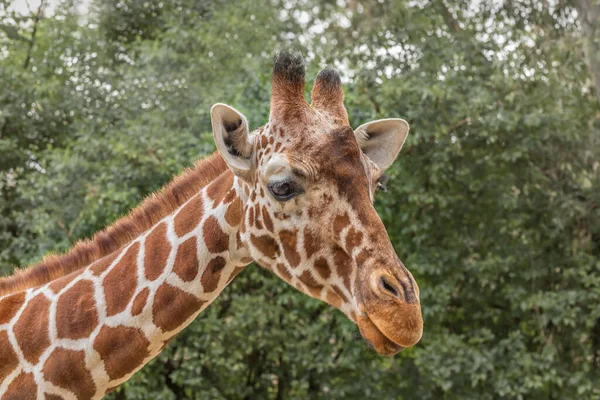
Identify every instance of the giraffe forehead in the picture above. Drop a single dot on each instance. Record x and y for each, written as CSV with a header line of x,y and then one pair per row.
x,y
313,128
278,165
332,150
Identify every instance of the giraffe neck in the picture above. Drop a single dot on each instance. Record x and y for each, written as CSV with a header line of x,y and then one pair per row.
x,y
87,332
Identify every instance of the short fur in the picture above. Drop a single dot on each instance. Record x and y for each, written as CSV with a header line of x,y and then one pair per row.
x,y
153,209
328,95
287,88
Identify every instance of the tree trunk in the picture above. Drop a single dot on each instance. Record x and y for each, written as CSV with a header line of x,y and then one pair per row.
x,y
589,18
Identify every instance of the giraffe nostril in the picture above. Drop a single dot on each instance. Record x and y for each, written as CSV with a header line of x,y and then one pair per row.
x,y
387,287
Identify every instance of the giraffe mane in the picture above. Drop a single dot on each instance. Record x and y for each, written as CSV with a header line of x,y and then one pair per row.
x,y
154,208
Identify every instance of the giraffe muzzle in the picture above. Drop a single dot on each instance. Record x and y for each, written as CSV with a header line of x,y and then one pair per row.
x,y
391,318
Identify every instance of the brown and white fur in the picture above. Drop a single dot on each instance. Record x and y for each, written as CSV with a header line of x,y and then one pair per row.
x,y
78,325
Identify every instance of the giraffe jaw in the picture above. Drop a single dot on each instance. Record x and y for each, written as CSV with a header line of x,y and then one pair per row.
x,y
380,342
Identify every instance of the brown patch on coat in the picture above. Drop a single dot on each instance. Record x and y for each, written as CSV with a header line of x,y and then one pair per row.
x,y
172,307
361,257
339,223
215,239
123,349
309,280
267,219
333,299
234,213
150,212
238,241
140,302
212,274
343,262
266,245
49,396
9,358
251,216
256,213
186,260
119,284
340,293
322,267
310,242
353,239
283,271
156,252
217,190
23,387
231,195
102,264
66,369
289,242
189,216
60,283
31,329
10,305
257,221
76,314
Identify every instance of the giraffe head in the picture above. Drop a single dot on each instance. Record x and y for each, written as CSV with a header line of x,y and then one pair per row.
x,y
310,180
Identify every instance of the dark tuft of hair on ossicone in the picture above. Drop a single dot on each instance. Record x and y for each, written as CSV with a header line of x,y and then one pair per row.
x,y
289,66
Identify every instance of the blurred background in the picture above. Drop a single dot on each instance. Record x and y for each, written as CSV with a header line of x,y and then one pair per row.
x,y
494,202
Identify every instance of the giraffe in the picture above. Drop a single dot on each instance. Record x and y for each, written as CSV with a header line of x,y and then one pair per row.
x,y
295,195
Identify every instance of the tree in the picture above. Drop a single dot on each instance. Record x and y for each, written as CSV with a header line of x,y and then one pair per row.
x,y
589,17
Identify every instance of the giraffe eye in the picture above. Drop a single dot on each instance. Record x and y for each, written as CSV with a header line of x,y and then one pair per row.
x,y
284,190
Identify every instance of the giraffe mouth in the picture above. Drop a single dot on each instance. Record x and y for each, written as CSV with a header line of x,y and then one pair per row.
x,y
377,339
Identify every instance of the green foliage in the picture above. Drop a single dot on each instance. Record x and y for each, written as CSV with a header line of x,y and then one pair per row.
x,y
494,204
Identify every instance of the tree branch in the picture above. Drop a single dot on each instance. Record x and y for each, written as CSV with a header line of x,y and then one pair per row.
x,y
36,20
176,389
451,22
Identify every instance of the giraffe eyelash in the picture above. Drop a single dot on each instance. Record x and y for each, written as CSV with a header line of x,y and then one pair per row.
x,y
382,183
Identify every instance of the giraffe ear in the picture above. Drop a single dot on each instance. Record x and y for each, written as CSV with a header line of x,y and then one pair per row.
x,y
382,140
230,130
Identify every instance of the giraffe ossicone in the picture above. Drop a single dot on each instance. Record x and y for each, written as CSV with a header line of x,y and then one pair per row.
x,y
295,195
